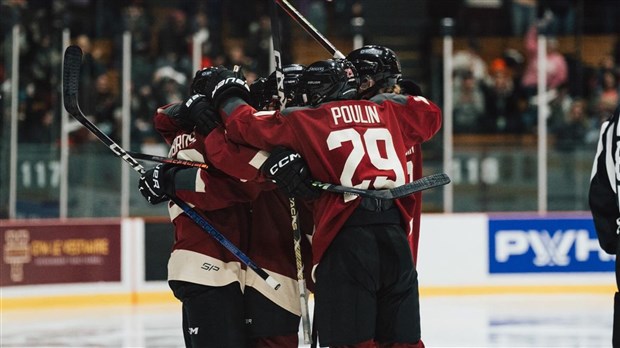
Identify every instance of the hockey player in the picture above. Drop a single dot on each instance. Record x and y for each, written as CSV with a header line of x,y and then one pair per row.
x,y
604,196
271,317
366,283
271,240
380,72
202,274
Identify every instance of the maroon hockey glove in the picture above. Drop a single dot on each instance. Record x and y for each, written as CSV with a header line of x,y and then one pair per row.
x,y
289,171
156,183
197,112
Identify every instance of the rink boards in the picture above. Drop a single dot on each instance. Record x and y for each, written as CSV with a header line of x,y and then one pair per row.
x,y
123,261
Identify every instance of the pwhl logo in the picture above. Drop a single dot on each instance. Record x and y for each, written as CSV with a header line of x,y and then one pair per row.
x,y
545,245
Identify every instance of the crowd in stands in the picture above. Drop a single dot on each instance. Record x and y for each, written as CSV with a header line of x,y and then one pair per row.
x,y
490,96
162,35
500,95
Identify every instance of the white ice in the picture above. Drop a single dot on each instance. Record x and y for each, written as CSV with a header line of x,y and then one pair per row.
x,y
575,320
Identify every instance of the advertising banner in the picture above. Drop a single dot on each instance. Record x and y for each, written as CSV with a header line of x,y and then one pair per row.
x,y
545,245
60,253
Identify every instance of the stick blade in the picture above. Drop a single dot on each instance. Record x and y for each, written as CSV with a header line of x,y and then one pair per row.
x,y
424,183
71,77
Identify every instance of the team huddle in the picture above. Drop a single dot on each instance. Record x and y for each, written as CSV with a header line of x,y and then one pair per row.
x,y
354,122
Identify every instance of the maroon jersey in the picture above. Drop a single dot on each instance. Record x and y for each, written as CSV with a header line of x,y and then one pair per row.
x,y
212,189
355,143
250,212
196,256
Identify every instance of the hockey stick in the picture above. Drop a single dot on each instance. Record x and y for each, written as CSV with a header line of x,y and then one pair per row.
x,y
422,184
71,77
309,28
301,282
160,159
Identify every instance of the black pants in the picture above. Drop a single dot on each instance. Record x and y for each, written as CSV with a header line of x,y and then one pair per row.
x,y
264,318
212,316
367,288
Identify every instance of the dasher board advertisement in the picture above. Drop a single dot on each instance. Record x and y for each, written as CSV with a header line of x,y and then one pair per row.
x,y
54,253
545,245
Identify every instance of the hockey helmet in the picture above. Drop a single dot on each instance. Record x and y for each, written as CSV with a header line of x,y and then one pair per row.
x,y
264,91
201,77
258,100
292,73
327,80
377,66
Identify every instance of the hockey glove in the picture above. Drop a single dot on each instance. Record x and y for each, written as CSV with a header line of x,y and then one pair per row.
x,y
157,183
410,88
289,171
197,112
225,84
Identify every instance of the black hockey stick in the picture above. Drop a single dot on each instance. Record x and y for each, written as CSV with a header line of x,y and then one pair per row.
x,y
424,183
301,282
71,77
309,28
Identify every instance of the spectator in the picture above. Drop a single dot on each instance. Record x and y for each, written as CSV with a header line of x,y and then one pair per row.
x,y
501,104
142,103
173,40
468,104
91,69
174,35
469,60
557,68
557,71
570,135
237,56
107,105
559,106
594,128
170,85
137,22
606,97
523,15
607,63
200,28
258,45
562,13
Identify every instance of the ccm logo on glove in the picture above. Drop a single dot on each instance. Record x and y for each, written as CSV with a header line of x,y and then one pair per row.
x,y
283,162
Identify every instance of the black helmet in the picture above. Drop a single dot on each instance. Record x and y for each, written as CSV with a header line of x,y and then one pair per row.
x,y
376,63
264,92
326,80
292,74
200,79
258,98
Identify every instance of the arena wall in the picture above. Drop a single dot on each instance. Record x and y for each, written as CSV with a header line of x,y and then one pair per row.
x,y
112,261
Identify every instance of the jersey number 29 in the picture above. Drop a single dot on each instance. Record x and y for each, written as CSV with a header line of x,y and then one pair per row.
x,y
368,144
